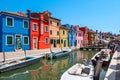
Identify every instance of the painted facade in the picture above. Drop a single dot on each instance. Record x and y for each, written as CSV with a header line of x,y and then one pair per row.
x,y
39,31
54,32
63,37
71,35
91,37
79,37
14,31
85,35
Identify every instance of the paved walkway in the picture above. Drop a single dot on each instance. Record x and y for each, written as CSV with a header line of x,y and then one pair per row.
x,y
113,72
18,54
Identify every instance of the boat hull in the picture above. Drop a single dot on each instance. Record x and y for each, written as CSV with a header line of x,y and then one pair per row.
x,y
20,65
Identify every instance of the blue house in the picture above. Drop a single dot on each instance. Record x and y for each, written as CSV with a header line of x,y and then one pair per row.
x,y
14,31
71,35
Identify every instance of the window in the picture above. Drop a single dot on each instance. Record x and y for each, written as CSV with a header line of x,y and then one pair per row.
x,y
57,23
26,40
61,41
35,28
9,21
46,40
46,29
51,41
58,41
57,32
25,24
63,32
41,30
50,22
9,40
50,32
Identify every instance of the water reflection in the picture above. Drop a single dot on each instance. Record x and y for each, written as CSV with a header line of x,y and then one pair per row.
x,y
48,69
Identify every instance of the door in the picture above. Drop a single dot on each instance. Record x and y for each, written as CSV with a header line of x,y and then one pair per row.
x,y
35,41
55,43
18,42
64,43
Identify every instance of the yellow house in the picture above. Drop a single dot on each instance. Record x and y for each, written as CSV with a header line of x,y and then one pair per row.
x,y
63,37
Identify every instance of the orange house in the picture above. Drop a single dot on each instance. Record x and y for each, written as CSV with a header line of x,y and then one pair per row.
x,y
39,31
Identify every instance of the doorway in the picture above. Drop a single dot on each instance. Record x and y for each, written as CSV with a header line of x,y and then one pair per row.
x,y
35,41
18,42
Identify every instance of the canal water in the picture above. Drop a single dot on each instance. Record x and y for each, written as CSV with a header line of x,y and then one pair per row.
x,y
51,69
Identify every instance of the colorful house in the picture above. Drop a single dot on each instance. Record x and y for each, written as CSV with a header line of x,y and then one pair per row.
x,y
79,37
85,35
91,37
54,32
71,35
14,31
63,37
39,31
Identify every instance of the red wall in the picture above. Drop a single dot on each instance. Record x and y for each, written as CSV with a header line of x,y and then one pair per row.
x,y
41,37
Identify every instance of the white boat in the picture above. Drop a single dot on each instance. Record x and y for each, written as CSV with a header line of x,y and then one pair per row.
x,y
79,72
105,58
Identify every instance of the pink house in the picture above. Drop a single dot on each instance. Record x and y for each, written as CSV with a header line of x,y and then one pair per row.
x,y
79,37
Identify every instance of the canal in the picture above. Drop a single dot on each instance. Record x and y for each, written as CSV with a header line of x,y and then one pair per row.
x,y
51,69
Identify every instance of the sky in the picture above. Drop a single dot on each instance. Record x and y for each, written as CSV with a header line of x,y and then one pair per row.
x,y
101,15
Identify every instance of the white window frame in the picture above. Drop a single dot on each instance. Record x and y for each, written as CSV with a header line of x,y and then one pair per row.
x,y
23,40
12,20
45,28
12,40
45,40
36,26
23,24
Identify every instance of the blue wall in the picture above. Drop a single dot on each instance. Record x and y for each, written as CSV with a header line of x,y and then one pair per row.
x,y
71,35
17,29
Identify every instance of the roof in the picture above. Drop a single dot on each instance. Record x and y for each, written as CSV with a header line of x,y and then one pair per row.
x,y
16,14
55,18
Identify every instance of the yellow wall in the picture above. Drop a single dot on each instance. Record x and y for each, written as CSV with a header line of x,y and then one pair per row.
x,y
64,36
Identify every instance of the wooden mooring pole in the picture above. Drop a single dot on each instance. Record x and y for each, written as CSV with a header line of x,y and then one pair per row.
x,y
4,56
98,67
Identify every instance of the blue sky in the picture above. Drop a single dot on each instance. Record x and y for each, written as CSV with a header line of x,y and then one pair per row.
x,y
102,15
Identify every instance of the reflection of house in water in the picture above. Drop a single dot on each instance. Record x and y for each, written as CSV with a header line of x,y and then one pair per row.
x,y
80,56
72,58
48,71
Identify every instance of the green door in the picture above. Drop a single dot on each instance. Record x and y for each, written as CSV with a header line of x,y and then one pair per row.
x,y
64,43
18,42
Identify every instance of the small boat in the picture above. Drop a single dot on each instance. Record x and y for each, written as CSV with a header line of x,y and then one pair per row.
x,y
53,55
18,63
79,72
105,57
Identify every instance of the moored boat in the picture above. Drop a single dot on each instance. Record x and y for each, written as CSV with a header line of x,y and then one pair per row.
x,y
18,63
105,57
59,54
79,72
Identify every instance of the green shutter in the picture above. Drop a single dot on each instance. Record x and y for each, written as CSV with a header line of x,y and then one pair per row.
x,y
9,40
9,22
25,24
25,40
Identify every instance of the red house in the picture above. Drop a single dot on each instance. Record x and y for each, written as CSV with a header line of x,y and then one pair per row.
x,y
85,35
39,31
